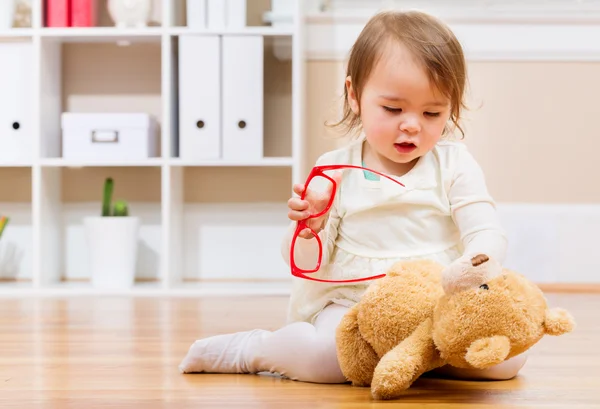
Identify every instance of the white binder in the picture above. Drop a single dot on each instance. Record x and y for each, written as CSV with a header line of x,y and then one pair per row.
x,y
16,128
242,97
196,13
216,14
199,97
236,13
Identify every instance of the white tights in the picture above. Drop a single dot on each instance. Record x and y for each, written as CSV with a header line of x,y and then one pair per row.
x,y
302,352
298,351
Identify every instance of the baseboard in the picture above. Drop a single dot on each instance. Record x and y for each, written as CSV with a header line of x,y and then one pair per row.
x,y
591,288
553,243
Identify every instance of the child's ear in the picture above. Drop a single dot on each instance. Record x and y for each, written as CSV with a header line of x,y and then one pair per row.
x,y
352,101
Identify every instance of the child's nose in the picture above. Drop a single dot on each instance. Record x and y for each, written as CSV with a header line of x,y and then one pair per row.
x,y
410,124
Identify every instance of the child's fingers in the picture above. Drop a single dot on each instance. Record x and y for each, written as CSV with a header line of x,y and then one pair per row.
x,y
298,189
306,234
295,203
298,215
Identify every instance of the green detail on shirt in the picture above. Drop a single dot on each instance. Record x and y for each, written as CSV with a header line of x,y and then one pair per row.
x,y
369,175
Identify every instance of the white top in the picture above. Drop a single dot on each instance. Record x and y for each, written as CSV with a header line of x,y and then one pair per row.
x,y
443,210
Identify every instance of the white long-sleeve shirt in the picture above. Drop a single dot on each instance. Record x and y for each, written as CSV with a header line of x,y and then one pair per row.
x,y
443,211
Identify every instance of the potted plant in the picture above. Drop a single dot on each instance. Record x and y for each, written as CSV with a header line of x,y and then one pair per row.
x,y
113,242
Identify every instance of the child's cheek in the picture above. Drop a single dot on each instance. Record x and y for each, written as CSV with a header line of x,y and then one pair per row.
x,y
377,123
379,133
385,124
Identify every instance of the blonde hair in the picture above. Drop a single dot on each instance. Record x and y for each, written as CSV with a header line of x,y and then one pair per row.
x,y
430,41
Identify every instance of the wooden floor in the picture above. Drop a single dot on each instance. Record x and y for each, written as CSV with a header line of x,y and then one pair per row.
x,y
123,353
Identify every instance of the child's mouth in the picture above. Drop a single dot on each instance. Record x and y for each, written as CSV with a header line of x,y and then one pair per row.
x,y
405,147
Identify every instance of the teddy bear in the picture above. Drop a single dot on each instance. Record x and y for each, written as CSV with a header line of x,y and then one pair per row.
x,y
417,318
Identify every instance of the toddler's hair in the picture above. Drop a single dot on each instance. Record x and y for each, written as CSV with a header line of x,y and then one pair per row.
x,y
429,40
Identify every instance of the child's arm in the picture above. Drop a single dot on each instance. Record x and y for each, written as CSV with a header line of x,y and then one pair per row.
x,y
474,210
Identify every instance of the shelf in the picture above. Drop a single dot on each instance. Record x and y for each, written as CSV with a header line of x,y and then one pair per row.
x,y
72,194
251,30
72,163
144,34
60,162
226,288
102,34
149,289
16,164
76,288
85,288
284,161
194,213
15,288
16,33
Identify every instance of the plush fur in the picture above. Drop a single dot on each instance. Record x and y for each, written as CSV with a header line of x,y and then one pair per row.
x,y
406,324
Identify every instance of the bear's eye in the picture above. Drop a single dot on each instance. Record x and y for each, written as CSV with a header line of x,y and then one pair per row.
x,y
484,286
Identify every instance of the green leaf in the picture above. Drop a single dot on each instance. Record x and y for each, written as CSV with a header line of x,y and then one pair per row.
x,y
107,197
121,209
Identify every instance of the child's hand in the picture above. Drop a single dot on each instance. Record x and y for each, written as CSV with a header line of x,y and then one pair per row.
x,y
313,203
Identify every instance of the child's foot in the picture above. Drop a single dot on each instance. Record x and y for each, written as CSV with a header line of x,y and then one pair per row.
x,y
221,354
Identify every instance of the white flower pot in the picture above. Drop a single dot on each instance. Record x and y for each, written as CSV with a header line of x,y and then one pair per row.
x,y
7,14
113,249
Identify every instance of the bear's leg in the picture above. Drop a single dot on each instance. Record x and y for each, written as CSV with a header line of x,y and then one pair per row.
x,y
401,366
355,355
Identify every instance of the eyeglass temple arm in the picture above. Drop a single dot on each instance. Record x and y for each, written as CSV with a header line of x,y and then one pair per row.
x,y
321,168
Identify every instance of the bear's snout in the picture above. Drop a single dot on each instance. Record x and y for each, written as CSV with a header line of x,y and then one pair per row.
x,y
479,259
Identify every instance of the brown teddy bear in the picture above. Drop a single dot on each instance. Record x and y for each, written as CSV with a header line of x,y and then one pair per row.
x,y
406,324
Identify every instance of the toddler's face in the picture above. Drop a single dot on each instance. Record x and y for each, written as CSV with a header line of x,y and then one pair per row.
x,y
403,115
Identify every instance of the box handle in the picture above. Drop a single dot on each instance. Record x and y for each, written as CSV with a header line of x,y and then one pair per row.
x,y
104,136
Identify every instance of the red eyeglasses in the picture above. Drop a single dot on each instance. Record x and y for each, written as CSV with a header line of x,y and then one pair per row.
x,y
318,171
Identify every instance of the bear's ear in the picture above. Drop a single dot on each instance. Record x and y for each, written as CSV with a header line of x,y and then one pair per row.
x,y
558,322
486,352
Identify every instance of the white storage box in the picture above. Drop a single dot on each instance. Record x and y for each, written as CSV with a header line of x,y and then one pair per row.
x,y
114,136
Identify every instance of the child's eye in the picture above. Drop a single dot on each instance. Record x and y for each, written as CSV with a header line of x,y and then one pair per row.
x,y
432,114
395,110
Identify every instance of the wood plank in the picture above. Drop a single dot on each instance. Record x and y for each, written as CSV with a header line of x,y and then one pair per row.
x,y
593,288
123,352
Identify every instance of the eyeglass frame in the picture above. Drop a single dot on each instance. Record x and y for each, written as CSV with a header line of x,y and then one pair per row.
x,y
302,224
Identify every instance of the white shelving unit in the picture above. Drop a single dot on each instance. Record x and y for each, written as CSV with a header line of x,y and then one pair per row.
x,y
207,227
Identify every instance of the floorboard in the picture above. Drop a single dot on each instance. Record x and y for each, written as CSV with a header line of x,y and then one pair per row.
x,y
84,352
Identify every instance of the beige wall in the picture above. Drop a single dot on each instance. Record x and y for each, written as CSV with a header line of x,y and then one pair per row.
x,y
15,185
532,126
535,134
